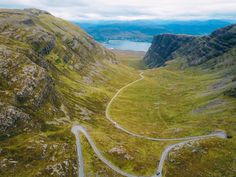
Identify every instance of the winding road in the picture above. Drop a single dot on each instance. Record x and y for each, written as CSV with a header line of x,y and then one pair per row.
x,y
77,129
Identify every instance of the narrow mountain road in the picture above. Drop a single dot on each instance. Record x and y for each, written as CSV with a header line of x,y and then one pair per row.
x,y
108,116
169,148
76,130
79,129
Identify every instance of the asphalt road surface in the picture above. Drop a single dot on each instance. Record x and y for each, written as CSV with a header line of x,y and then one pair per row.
x,y
76,130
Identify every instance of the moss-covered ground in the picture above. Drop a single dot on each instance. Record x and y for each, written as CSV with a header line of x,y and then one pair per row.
x,y
170,102
179,101
174,103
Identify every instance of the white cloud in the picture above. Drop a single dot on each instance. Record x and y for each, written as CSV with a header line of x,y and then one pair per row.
x,y
130,9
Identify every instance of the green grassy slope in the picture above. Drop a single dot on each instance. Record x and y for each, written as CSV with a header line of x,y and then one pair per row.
x,y
82,77
53,72
180,101
174,103
132,59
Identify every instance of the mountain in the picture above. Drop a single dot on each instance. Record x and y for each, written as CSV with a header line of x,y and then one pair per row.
x,y
144,30
196,50
31,41
52,74
216,51
164,45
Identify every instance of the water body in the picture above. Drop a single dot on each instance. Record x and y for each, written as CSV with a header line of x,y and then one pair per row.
x,y
127,45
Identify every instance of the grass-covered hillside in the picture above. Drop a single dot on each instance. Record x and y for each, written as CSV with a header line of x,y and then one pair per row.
x,y
53,76
171,102
180,101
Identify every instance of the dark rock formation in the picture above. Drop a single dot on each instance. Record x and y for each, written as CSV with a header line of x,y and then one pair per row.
x,y
10,115
163,46
231,92
43,44
196,50
202,49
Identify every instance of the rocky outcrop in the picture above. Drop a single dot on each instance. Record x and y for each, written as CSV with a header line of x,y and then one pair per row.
x,y
196,50
231,92
121,151
34,47
204,48
29,82
162,48
43,44
43,33
35,85
36,11
10,115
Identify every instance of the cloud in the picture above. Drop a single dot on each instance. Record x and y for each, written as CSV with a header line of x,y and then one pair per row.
x,y
131,9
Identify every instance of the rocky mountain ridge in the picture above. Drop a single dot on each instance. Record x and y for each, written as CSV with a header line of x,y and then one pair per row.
x,y
196,49
32,41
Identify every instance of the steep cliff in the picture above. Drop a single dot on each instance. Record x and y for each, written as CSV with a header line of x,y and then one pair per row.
x,y
196,50
162,48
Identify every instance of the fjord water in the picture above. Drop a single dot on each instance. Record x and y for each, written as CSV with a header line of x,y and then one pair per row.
x,y
127,45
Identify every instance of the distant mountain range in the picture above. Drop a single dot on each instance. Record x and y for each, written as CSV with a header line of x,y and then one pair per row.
x,y
144,30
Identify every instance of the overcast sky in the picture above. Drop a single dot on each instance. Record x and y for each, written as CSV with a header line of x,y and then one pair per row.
x,y
131,9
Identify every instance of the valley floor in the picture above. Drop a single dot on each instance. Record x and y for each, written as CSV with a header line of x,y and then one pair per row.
x,y
169,102
53,76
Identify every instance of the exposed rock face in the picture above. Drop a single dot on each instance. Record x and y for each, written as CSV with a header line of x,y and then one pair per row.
x,y
60,169
40,30
36,11
162,48
30,82
32,43
34,78
121,151
231,92
10,115
196,50
202,49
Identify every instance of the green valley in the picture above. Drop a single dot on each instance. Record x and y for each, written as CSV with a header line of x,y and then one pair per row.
x,y
54,76
174,102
